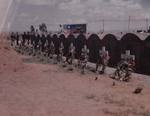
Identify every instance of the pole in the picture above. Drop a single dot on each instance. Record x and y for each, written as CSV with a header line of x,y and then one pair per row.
x,y
147,24
103,21
129,21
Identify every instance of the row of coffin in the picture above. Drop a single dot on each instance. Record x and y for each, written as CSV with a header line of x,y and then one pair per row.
x,y
139,48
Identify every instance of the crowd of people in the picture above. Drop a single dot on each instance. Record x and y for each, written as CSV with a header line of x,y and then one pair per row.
x,y
41,43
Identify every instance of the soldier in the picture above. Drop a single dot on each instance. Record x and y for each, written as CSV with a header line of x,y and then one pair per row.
x,y
71,54
84,58
103,60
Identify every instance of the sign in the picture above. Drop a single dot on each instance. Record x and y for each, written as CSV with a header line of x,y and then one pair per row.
x,y
75,28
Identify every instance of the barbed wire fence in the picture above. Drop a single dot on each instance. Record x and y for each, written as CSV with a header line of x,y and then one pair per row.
x,y
104,25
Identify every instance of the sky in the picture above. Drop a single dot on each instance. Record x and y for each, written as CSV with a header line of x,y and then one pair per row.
x,y
113,14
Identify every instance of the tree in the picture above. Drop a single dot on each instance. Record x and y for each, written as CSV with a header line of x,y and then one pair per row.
x,y
43,27
32,29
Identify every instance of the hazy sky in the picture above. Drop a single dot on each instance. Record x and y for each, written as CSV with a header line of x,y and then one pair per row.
x,y
54,12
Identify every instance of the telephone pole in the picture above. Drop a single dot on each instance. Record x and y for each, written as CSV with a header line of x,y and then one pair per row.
x,y
103,21
129,22
147,27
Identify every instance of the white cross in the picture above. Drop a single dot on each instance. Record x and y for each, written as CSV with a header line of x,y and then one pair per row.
x,y
103,51
127,55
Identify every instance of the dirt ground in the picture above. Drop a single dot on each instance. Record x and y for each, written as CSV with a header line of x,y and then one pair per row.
x,y
34,89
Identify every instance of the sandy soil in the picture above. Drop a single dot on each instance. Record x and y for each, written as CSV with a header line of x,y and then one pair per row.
x,y
31,89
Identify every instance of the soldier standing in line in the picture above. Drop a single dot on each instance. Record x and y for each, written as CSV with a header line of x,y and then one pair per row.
x,y
103,60
84,58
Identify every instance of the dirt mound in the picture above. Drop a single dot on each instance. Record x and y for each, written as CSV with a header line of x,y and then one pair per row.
x,y
34,89
9,60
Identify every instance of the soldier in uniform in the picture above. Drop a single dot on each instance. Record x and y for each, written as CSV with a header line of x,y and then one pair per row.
x,y
102,60
84,58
